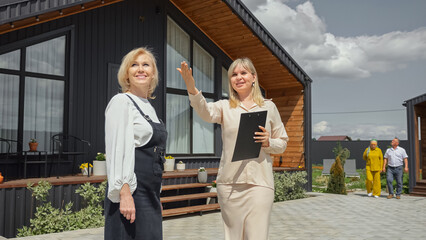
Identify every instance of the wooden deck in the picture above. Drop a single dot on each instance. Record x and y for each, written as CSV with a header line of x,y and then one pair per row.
x,y
79,179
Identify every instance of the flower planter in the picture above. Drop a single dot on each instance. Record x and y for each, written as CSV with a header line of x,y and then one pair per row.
x,y
99,168
33,146
84,171
180,166
169,165
209,199
202,177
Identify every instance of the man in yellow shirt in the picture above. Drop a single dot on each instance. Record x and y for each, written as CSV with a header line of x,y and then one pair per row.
x,y
374,157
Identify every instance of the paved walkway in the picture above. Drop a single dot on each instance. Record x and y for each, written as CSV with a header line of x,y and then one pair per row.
x,y
325,216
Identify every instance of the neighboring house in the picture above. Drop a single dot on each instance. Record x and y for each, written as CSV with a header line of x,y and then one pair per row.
x,y
334,138
416,129
59,60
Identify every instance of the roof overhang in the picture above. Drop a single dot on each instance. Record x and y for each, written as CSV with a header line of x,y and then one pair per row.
x,y
238,33
18,14
416,100
228,23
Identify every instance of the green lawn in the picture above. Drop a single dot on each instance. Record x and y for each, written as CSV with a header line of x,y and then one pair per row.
x,y
319,182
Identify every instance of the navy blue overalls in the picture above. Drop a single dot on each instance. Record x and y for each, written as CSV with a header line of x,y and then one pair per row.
x,y
149,167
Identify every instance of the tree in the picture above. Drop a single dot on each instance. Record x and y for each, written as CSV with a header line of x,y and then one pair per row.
x,y
336,184
341,152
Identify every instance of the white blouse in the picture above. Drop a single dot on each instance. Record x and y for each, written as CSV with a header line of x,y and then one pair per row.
x,y
125,129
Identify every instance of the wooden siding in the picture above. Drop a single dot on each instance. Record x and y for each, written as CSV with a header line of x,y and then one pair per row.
x,y
290,103
229,32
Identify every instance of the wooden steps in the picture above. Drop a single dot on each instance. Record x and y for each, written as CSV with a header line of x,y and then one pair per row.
x,y
188,197
184,186
191,209
175,203
420,189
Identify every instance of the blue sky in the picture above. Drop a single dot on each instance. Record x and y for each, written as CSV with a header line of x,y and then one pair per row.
x,y
366,57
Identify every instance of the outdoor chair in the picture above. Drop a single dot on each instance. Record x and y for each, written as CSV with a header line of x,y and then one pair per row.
x,y
326,163
350,168
9,157
66,148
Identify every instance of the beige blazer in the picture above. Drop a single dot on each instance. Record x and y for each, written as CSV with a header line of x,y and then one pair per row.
x,y
256,171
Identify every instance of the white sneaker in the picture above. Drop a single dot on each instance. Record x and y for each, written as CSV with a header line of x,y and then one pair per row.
x,y
370,194
376,196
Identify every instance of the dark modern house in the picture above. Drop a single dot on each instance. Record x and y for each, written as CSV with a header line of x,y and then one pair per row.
x,y
59,60
416,130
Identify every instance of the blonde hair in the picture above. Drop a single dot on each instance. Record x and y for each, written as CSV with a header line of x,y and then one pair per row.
x,y
256,94
126,63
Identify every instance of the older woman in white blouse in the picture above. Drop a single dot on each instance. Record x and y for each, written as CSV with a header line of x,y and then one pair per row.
x,y
135,142
245,188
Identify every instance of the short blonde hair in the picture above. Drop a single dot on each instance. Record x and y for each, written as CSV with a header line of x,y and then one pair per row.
x,y
256,94
126,63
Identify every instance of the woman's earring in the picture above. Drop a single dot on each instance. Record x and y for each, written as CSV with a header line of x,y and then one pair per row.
x,y
252,84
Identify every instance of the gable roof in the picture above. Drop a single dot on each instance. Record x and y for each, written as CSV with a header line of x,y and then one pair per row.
x,y
228,23
240,34
416,100
334,138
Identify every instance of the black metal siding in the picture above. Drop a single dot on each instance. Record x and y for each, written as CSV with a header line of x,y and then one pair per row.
x,y
307,106
101,36
17,205
411,134
13,10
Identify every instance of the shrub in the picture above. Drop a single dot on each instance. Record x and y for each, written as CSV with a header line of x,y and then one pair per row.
x,y
49,219
341,152
289,186
336,184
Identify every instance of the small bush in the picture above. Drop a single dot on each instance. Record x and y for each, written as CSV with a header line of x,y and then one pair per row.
x,y
49,219
322,180
289,186
336,184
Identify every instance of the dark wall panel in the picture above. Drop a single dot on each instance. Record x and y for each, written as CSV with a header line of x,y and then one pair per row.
x,y
102,36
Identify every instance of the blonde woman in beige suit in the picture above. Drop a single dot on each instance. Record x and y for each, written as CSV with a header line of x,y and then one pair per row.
x,y
245,188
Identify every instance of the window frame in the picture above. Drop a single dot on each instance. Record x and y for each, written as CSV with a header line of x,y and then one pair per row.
x,y
217,82
22,74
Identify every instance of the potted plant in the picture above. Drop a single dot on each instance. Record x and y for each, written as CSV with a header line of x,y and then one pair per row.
x,y
99,165
180,166
211,188
169,165
86,168
33,145
202,175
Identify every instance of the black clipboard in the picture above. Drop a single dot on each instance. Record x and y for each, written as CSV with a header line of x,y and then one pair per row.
x,y
246,147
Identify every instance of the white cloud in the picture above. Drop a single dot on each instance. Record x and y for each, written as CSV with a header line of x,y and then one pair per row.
x,y
321,128
303,33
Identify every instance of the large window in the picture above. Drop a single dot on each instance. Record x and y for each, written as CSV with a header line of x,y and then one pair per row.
x,y
32,86
188,134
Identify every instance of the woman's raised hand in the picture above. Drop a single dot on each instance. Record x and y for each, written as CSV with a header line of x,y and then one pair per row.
x,y
186,73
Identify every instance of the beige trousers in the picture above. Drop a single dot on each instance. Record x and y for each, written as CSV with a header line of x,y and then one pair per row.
x,y
246,210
